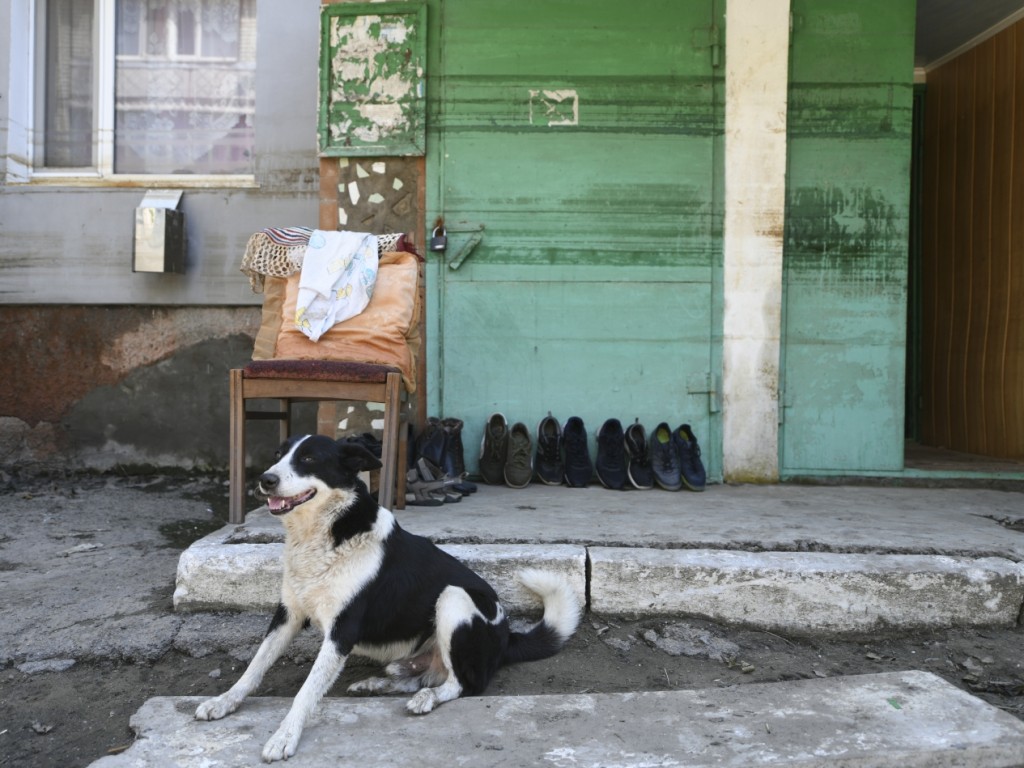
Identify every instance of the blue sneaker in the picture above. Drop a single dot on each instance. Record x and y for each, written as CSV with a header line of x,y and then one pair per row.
x,y
578,469
692,473
665,459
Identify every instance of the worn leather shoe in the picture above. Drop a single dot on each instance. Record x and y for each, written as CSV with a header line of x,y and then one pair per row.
x,y
494,450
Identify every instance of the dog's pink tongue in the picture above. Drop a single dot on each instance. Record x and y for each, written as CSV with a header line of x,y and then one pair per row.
x,y
277,502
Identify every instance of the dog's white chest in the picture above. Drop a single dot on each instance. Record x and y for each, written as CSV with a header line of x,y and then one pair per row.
x,y
322,581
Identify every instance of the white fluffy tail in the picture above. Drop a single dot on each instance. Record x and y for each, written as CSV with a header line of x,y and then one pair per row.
x,y
561,617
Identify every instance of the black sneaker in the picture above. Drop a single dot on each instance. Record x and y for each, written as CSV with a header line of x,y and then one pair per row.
x,y
549,465
494,450
578,469
611,455
638,467
665,459
692,473
519,464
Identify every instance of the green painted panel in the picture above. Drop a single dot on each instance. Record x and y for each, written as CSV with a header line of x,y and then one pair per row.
x,y
579,147
575,348
373,79
851,100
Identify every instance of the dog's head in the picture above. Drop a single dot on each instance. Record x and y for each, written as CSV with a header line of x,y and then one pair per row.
x,y
312,467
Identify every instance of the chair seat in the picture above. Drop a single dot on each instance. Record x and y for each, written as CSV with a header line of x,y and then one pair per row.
x,y
318,370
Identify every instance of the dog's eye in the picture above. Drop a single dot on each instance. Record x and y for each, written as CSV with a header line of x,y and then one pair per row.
x,y
307,459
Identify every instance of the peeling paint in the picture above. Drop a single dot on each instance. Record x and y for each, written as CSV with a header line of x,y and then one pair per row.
x,y
372,85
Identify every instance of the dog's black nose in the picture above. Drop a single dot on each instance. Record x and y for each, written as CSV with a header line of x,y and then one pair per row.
x,y
269,481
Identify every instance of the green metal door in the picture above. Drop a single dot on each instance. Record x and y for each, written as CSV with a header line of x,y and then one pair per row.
x,y
849,130
573,161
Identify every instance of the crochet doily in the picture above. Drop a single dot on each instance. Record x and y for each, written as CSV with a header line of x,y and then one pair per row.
x,y
278,252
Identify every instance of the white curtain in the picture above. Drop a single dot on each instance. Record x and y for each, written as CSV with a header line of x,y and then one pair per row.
x,y
184,92
68,99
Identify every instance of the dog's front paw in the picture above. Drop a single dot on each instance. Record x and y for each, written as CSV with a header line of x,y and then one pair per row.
x,y
423,702
282,744
217,707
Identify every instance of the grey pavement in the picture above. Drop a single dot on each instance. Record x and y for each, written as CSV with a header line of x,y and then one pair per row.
x,y
903,719
88,573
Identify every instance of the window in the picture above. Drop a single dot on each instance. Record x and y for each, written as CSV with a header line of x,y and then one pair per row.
x,y
145,87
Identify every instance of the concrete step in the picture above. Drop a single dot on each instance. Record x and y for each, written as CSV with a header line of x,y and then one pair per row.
x,y
900,719
981,583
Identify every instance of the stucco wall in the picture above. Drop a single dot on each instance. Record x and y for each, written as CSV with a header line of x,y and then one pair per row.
x,y
107,367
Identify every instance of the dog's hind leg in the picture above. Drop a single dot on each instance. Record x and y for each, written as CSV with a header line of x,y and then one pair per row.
x,y
383,685
460,625
405,676
283,628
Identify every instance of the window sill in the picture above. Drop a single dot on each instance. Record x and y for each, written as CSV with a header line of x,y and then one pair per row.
x,y
137,182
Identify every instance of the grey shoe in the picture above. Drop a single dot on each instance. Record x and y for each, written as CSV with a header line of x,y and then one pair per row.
x,y
494,450
519,463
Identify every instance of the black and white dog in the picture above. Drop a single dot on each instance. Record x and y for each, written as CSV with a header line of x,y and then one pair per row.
x,y
376,590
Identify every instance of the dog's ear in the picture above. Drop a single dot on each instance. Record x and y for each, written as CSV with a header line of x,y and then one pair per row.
x,y
356,457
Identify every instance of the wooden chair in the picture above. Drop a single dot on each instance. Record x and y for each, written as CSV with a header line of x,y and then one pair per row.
x,y
291,381
328,381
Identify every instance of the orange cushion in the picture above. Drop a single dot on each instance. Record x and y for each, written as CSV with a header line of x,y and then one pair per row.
x,y
385,333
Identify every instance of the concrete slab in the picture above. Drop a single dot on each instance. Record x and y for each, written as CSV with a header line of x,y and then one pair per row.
x,y
214,574
804,558
903,719
797,592
781,518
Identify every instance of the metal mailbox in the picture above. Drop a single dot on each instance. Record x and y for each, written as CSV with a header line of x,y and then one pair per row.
x,y
159,244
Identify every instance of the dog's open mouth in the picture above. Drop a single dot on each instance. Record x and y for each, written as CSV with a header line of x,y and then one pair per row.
x,y
281,504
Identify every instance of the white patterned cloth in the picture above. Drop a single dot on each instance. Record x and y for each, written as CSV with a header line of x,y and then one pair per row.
x,y
339,271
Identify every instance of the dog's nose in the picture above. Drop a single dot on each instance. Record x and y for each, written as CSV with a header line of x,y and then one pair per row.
x,y
269,481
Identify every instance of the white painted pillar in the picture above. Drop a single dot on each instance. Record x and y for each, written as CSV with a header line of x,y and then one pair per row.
x,y
756,86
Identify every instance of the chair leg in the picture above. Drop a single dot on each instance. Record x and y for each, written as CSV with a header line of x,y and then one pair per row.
x,y
390,443
403,462
284,430
236,450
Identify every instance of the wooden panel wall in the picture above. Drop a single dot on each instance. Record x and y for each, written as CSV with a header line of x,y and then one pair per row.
x,y
973,251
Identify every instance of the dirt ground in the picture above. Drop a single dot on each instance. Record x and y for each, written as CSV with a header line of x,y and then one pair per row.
x,y
74,716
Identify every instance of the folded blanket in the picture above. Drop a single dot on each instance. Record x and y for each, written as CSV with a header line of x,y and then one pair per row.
x,y
339,270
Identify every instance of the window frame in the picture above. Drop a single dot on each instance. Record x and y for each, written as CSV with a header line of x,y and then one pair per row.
x,y
26,118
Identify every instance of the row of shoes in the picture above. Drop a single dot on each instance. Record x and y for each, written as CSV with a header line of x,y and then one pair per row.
x,y
670,459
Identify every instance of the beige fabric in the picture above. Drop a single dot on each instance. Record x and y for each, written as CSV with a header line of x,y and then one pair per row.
x,y
270,325
386,332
